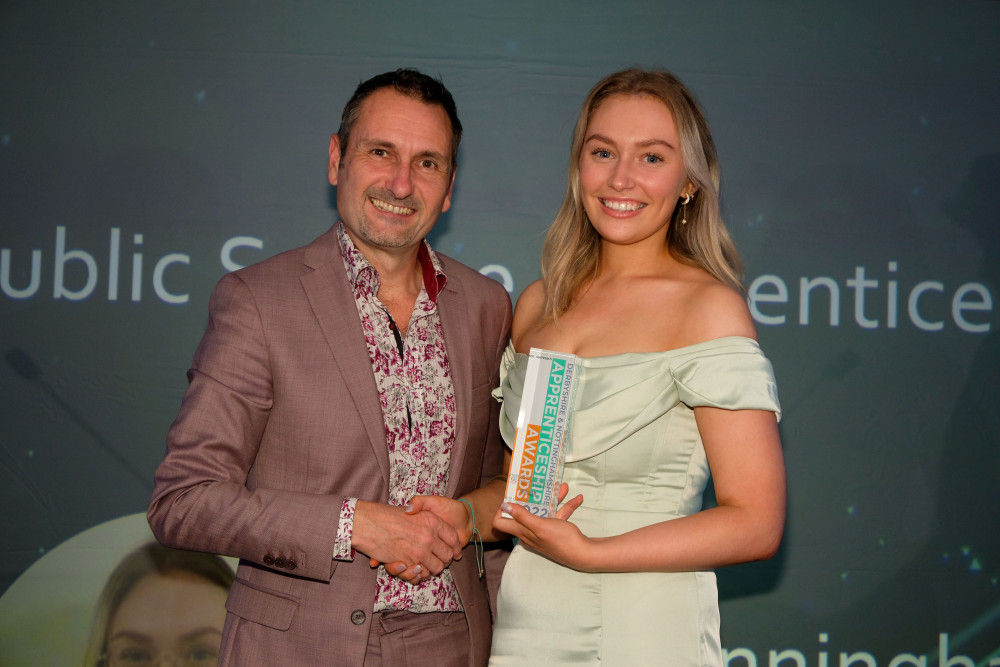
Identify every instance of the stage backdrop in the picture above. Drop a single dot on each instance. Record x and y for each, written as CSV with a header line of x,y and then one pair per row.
x,y
146,148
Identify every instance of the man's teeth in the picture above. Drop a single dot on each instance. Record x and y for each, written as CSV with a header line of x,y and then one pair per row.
x,y
623,205
389,208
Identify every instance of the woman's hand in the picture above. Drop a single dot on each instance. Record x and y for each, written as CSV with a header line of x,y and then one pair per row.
x,y
555,538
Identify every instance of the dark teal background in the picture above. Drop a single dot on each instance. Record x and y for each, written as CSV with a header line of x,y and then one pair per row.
x,y
850,134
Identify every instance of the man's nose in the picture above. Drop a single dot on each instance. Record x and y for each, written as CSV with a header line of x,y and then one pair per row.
x,y
401,181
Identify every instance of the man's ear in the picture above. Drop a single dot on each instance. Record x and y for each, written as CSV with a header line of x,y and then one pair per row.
x,y
334,158
447,199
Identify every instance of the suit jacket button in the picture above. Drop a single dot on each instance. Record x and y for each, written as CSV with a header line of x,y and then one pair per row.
x,y
280,562
290,564
358,617
268,559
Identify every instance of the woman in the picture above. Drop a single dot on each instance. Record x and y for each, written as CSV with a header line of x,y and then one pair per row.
x,y
641,280
161,601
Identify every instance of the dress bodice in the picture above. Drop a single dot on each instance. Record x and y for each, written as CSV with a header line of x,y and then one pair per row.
x,y
633,443
633,450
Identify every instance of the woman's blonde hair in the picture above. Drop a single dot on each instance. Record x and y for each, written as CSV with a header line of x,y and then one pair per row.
x,y
148,559
570,252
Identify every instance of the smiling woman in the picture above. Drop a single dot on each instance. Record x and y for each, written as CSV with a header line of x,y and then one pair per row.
x,y
631,170
159,602
640,282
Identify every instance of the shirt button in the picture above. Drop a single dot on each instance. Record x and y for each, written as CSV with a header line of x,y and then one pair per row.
x,y
358,617
290,564
280,562
268,559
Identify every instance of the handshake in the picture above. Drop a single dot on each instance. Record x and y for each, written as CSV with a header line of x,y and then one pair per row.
x,y
416,541
421,539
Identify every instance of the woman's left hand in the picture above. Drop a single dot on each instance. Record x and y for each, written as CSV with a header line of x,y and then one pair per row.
x,y
555,538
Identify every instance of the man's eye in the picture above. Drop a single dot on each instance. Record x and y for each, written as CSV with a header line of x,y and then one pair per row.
x,y
428,164
378,152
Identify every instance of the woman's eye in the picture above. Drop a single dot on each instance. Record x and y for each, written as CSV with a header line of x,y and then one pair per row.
x,y
201,655
651,158
133,656
601,153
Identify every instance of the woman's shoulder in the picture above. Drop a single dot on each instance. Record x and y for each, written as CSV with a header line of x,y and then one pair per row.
x,y
712,309
534,292
528,310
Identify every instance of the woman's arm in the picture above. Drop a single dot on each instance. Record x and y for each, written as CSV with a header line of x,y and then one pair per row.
x,y
483,503
744,454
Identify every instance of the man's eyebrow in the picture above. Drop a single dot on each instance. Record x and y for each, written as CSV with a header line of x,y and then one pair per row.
x,y
368,143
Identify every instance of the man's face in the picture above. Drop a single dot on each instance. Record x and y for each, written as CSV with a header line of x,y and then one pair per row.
x,y
395,177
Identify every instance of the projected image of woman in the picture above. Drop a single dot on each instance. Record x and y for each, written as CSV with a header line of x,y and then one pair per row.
x,y
161,603
641,280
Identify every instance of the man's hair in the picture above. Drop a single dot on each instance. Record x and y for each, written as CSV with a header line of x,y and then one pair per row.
x,y
407,82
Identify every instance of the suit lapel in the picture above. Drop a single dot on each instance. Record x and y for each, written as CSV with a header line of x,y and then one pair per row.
x,y
457,339
332,300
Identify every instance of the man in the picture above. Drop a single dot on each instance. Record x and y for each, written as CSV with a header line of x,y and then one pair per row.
x,y
335,382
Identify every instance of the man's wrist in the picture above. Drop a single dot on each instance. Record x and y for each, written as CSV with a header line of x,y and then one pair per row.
x,y
342,549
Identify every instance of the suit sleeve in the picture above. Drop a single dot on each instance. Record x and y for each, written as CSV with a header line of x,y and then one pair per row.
x,y
201,499
495,447
495,556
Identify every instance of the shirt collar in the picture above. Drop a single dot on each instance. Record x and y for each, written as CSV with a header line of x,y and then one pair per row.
x,y
362,274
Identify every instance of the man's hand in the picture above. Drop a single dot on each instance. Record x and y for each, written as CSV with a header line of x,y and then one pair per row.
x,y
417,539
452,512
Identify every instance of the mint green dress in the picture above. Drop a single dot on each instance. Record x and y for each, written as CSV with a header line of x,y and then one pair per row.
x,y
633,450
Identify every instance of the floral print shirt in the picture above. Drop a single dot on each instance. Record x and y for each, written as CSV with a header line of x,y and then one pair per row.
x,y
418,405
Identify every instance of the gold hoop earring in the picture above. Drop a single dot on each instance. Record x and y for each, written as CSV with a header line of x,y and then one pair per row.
x,y
684,208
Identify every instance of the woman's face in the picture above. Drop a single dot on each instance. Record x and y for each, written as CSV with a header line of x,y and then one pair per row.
x,y
178,614
631,169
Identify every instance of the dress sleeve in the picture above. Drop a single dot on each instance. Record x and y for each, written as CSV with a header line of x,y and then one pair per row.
x,y
509,393
734,376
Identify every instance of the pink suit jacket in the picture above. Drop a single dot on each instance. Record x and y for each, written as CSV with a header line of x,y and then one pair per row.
x,y
281,420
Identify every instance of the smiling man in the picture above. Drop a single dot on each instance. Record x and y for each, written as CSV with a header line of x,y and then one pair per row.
x,y
334,383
